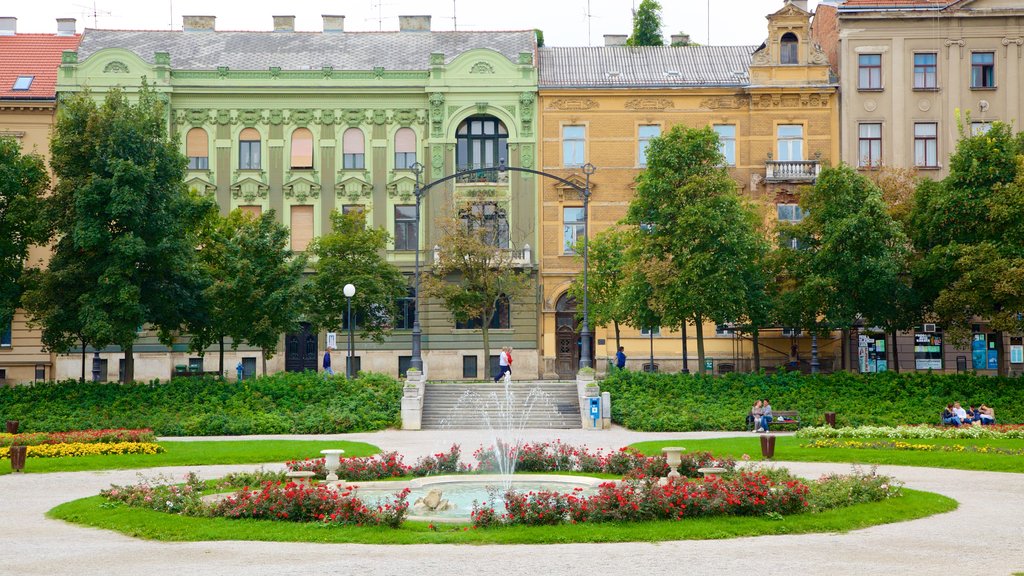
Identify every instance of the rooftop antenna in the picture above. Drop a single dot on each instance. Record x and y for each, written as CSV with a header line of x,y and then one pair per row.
x,y
170,21
94,12
709,22
455,16
379,4
588,15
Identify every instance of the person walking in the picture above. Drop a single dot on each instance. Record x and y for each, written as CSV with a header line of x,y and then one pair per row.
x,y
620,359
327,362
504,363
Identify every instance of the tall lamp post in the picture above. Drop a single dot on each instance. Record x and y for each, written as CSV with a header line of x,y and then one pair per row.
x,y
416,361
588,169
349,291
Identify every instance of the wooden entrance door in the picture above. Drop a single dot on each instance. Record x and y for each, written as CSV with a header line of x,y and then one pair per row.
x,y
301,350
567,338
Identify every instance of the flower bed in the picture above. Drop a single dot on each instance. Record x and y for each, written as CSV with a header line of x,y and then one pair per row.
x,y
914,432
897,445
86,449
78,437
385,465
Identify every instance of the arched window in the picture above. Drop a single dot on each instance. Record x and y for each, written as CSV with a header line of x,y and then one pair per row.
x,y
789,53
354,149
481,142
197,149
249,149
302,148
405,148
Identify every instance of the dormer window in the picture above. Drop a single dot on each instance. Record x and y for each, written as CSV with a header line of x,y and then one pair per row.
x,y
789,53
23,83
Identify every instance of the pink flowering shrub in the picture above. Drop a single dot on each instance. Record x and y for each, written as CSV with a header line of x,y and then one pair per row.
x,y
440,463
302,503
358,469
78,437
160,495
556,456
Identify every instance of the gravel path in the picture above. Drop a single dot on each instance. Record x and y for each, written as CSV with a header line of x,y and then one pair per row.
x,y
984,536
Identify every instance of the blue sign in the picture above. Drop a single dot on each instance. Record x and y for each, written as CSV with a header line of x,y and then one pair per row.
x,y
595,409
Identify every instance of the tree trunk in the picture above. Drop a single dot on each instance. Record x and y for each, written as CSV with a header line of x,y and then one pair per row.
x,y
699,323
686,349
756,337
486,335
844,344
1003,365
129,362
222,356
895,352
83,362
615,323
650,337
263,354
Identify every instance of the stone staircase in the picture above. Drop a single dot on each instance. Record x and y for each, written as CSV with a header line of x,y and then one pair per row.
x,y
461,405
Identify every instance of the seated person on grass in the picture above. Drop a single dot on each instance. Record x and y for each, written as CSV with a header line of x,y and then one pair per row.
x,y
961,413
949,417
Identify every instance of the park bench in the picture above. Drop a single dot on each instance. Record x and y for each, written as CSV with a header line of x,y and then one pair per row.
x,y
784,418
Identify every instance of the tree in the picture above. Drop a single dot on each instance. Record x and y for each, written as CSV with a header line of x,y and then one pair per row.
x,y
605,278
698,239
967,230
23,181
540,37
472,272
353,253
646,25
254,291
126,223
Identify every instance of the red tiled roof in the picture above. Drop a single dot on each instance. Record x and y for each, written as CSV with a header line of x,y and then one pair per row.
x,y
35,55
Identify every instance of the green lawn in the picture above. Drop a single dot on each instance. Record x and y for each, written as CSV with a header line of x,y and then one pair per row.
x,y
198,454
788,448
154,525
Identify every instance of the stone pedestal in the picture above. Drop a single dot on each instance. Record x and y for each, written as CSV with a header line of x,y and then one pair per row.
x,y
412,401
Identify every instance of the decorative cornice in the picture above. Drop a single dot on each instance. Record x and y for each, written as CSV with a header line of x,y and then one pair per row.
x,y
223,73
648,104
573,104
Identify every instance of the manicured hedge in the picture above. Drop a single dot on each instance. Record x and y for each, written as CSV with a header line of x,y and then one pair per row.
x,y
677,402
304,403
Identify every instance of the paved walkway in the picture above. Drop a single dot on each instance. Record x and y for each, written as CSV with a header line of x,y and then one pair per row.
x,y
984,536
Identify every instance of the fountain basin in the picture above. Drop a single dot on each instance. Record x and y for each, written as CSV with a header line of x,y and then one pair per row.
x,y
462,491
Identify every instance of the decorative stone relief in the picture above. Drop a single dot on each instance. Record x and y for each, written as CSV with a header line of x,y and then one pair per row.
x,y
525,58
378,72
405,116
648,104
249,117
162,58
69,57
353,117
197,117
726,103
276,117
275,72
481,107
452,110
328,72
380,117
870,105
249,189
526,157
573,104
790,100
1017,41
224,117
300,117
436,161
436,114
115,67
762,57
436,59
818,56
924,105
526,100
201,185
482,68
400,186
222,71
301,189
326,117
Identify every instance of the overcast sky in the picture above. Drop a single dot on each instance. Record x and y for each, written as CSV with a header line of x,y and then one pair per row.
x,y
564,22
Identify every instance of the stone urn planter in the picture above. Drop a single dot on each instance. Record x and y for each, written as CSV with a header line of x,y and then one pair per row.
x,y
674,455
332,460
18,457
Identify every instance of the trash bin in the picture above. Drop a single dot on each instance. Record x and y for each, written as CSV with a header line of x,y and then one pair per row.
x,y
12,426
830,419
18,458
768,446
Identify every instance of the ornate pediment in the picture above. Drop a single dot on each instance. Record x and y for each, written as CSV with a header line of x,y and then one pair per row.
x,y
249,188
354,184
115,67
566,192
301,188
401,184
201,184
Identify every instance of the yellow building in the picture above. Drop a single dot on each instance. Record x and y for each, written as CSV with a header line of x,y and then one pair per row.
x,y
28,77
775,108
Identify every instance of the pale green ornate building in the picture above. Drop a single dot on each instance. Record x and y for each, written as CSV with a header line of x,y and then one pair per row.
x,y
304,123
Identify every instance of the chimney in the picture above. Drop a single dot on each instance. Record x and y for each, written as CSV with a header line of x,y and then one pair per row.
x,y
801,4
334,23
284,23
414,23
198,23
66,27
8,25
615,39
680,40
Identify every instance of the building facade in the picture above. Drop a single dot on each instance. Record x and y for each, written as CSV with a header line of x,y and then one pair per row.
x,y
308,123
28,76
776,110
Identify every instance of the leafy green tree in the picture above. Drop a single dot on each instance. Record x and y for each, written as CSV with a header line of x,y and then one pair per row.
x,y
638,305
23,181
471,272
605,278
353,253
646,25
254,294
967,230
698,238
126,223
540,37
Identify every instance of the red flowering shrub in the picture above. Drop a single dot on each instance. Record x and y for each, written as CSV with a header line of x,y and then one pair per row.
x,y
440,463
301,503
360,469
78,437
555,456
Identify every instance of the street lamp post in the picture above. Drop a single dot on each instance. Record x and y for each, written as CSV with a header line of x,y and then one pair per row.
x,y
588,169
417,333
349,291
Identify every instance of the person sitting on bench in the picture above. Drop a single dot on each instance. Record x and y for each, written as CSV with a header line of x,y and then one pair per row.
x,y
754,416
766,416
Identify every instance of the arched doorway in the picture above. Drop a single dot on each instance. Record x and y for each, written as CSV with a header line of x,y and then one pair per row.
x,y
567,338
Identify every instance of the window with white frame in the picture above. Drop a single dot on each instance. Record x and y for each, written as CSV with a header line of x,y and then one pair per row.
x,y
926,144
925,66
790,142
644,135
353,149
790,213
573,222
978,128
869,71
869,145
648,331
405,148
727,142
573,145
249,157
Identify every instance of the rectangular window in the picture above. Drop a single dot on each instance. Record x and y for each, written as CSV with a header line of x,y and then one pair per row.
x,y
924,71
5,335
646,331
1016,350
404,363
120,370
573,145
198,163
927,351
727,142
405,227
353,209
926,145
469,369
983,70
404,160
353,157
406,311
724,330
644,135
870,70
195,364
870,145
492,218
103,369
301,227
249,155
249,367
501,320
357,364
573,228
791,142
354,161
790,213
978,128
23,83
40,375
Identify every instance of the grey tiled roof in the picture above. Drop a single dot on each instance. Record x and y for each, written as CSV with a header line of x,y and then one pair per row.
x,y
639,66
303,50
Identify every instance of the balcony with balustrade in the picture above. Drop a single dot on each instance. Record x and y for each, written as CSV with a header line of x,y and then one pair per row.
x,y
792,170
